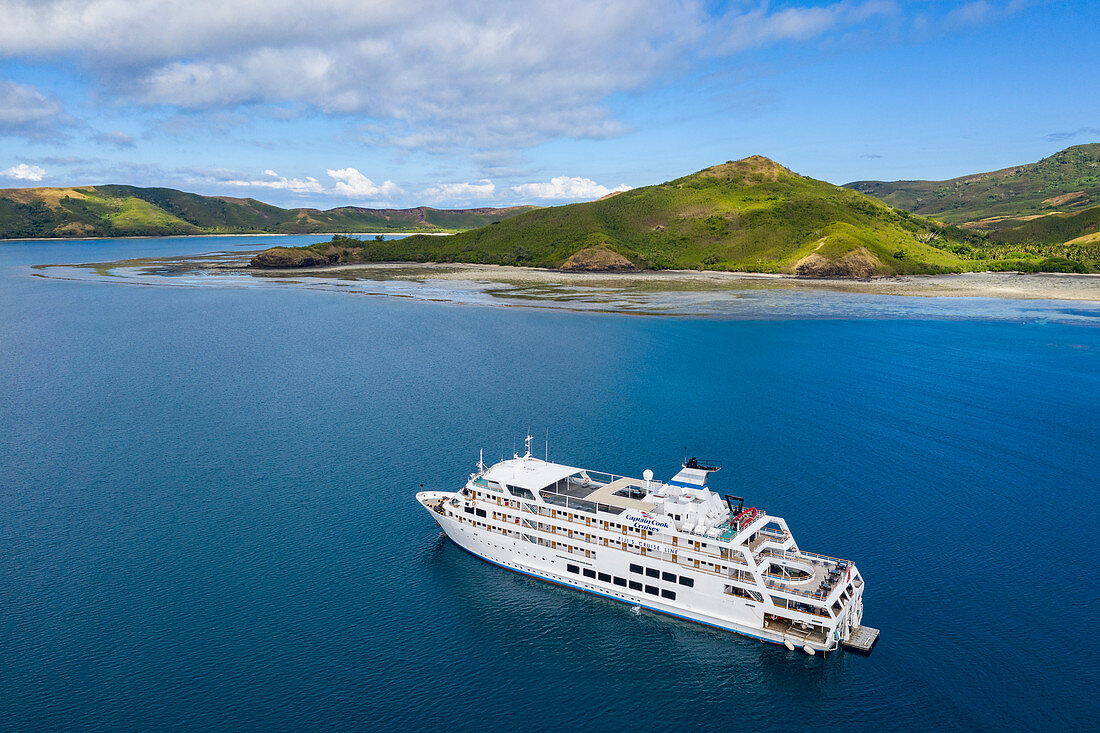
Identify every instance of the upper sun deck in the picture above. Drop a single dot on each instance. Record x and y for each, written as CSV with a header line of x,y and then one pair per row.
x,y
688,504
527,477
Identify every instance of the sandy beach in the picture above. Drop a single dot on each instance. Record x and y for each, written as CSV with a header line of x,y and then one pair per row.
x,y
1025,286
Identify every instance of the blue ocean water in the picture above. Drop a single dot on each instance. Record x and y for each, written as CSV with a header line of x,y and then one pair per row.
x,y
207,515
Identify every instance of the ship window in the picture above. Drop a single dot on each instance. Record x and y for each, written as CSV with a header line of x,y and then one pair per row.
x,y
668,577
653,572
469,510
636,569
689,582
620,581
652,590
573,568
589,573
669,594
605,577
520,492
635,585
480,512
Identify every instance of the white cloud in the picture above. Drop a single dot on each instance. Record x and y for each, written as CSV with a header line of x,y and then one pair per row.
x,y
116,138
274,180
24,172
483,189
739,30
350,182
29,113
567,188
559,188
436,74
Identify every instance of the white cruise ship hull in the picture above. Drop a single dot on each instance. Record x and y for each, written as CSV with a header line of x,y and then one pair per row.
x,y
704,603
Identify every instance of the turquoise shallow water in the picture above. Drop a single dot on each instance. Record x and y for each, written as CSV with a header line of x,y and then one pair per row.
x,y
207,515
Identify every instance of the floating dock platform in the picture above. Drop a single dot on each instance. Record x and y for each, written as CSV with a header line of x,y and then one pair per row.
x,y
862,640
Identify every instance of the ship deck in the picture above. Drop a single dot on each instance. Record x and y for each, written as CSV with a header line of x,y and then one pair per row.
x,y
797,632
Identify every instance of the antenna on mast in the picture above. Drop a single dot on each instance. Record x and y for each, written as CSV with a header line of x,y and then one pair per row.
x,y
527,444
547,445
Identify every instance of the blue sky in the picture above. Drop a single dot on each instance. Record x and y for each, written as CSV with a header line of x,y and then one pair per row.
x,y
467,103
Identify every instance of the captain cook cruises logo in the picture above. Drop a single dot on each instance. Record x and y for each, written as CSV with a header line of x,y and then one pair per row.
x,y
649,522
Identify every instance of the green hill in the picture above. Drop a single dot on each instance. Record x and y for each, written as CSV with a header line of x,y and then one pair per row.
x,y
747,215
1064,182
115,211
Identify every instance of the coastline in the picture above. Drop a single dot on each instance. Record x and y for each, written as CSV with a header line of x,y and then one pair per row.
x,y
1007,285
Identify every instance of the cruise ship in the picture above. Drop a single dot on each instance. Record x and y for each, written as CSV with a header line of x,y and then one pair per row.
x,y
675,547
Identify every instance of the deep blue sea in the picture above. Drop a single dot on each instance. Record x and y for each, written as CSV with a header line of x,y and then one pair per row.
x,y
207,517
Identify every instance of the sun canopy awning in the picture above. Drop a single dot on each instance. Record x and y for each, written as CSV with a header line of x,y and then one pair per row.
x,y
529,473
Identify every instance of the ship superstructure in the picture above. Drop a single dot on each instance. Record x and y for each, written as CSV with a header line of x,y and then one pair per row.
x,y
675,547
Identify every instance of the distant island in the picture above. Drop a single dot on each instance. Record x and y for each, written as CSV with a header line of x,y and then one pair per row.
x,y
755,215
128,211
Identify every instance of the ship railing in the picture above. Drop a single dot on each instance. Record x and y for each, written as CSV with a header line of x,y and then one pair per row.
x,y
803,555
679,559
732,555
583,505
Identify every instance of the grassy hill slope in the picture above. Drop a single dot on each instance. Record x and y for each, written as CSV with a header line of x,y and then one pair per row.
x,y
748,215
1064,182
113,211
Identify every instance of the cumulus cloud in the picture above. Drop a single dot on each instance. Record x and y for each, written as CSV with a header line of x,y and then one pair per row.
x,y
349,183
433,74
28,113
282,183
483,189
559,188
352,183
24,172
567,188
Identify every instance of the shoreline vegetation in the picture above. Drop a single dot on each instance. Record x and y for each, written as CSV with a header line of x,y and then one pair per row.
x,y
754,215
